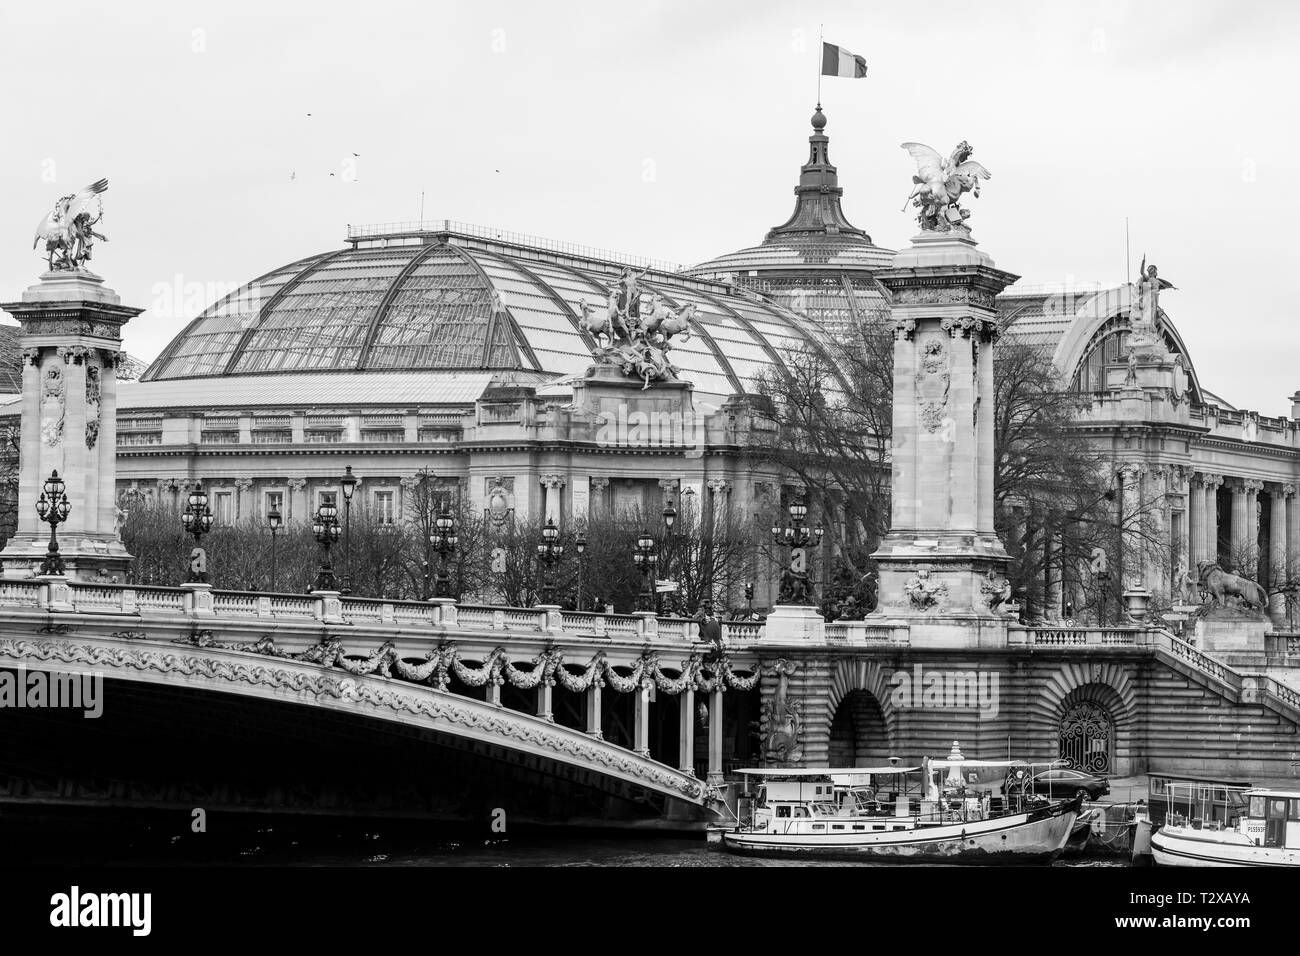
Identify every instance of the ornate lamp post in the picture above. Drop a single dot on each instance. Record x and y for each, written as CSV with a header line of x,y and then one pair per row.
x,y
196,519
549,552
443,540
795,586
645,555
325,526
749,600
580,546
348,484
273,521
53,507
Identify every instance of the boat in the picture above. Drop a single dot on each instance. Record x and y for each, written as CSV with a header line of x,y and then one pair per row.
x,y
1212,801
1266,832
850,813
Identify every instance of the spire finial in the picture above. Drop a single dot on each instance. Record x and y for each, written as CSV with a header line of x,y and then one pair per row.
x,y
819,119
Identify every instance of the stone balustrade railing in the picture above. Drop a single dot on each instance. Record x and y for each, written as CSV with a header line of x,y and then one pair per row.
x,y
861,632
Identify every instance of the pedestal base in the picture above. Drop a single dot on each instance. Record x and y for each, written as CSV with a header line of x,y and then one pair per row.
x,y
795,622
100,559
1230,629
944,575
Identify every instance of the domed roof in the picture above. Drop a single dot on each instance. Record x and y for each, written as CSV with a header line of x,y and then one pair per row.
x,y
816,239
445,296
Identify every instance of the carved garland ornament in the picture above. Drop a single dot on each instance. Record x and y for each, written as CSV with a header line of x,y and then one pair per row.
x,y
326,685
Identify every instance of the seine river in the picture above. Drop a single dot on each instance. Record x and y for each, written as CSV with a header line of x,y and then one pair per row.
x,y
123,841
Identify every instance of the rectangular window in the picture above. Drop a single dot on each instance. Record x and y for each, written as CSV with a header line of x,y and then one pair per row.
x,y
275,502
329,498
223,511
384,507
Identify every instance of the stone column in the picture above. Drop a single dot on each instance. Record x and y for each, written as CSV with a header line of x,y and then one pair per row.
x,y
78,470
552,509
1277,549
1239,533
1196,521
593,709
1293,534
641,717
1210,485
544,692
1134,567
715,778
686,731
1159,525
1055,592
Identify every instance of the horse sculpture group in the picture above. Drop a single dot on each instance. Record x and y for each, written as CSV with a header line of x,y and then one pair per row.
x,y
636,337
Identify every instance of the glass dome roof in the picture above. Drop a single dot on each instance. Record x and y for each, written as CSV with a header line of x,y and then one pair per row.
x,y
447,298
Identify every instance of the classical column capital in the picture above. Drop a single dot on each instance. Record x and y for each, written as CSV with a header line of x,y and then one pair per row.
x,y
669,484
717,485
552,481
32,356
1246,485
244,484
1129,470
1283,490
599,484
296,484
904,328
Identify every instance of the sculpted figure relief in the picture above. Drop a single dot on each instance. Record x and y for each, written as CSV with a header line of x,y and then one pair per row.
x,y
939,184
69,228
636,327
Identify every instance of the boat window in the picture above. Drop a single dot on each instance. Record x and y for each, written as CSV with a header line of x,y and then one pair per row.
x,y
782,811
1295,810
858,826
834,826
801,811
1257,807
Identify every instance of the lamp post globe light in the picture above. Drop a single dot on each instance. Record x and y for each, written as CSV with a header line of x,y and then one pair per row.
x,y
796,588
347,484
53,508
443,540
549,552
196,519
325,526
645,556
273,521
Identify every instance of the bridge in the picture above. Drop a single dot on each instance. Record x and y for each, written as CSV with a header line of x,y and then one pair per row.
x,y
334,704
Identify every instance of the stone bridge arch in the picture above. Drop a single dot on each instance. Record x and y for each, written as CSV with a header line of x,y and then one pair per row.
x,y
450,722
1087,712
861,721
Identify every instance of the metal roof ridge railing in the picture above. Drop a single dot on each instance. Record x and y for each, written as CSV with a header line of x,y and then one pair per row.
x,y
433,226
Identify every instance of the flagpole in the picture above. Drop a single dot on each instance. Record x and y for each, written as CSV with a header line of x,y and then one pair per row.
x,y
1128,256
820,53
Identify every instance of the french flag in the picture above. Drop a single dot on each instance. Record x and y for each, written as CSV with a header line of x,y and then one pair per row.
x,y
837,61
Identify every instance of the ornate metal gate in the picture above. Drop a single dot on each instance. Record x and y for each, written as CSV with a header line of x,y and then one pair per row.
x,y
1086,731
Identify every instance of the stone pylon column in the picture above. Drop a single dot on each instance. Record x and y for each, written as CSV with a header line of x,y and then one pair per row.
x,y
1239,535
71,340
942,558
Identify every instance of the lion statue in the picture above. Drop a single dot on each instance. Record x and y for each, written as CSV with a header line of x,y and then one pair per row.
x,y
1219,584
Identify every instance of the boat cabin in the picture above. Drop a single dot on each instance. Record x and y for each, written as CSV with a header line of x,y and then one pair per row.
x,y
1201,802
1272,818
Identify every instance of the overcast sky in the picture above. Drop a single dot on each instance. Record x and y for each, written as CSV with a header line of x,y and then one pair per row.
x,y
672,130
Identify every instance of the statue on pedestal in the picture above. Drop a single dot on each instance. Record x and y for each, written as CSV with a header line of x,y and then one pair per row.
x,y
69,228
636,335
1219,585
939,184
1144,340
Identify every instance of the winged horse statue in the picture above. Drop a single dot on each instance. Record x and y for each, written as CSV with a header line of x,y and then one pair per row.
x,y
69,228
939,184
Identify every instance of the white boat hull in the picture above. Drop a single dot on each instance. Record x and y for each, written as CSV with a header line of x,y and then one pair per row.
x,y
1037,836
1179,846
